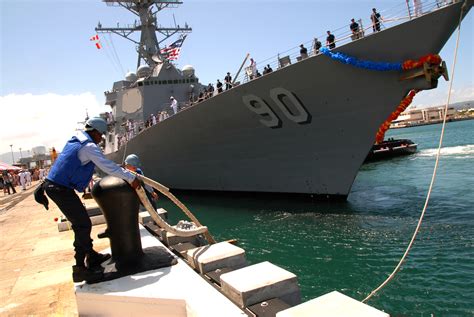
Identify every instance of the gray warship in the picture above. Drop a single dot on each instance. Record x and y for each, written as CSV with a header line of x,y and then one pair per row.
x,y
287,131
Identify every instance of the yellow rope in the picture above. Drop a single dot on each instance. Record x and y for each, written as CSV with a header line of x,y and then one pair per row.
x,y
397,268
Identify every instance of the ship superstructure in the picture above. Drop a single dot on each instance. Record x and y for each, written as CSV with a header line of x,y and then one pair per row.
x,y
147,91
287,131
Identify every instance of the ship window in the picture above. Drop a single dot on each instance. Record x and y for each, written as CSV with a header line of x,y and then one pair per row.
x,y
187,81
140,84
159,82
170,82
192,80
175,81
147,83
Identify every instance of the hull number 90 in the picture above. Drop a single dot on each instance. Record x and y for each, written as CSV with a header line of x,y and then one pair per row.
x,y
285,101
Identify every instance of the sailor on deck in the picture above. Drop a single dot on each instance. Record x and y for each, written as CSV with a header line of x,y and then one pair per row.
x,y
174,104
73,170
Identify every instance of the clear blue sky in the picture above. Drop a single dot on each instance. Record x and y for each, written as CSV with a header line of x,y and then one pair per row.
x,y
45,47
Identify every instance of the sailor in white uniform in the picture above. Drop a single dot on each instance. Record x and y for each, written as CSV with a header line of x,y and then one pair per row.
x,y
22,176
28,178
174,104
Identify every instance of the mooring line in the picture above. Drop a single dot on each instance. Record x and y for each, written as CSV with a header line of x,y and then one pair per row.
x,y
397,268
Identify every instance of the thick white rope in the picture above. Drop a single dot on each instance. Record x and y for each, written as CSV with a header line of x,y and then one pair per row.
x,y
163,224
165,191
397,268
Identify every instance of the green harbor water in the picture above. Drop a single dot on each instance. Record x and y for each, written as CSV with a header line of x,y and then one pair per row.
x,y
353,246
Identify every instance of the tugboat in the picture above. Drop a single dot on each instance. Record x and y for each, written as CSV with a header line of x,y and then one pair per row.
x,y
391,148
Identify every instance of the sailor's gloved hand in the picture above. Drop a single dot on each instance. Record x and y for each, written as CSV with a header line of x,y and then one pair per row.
x,y
135,184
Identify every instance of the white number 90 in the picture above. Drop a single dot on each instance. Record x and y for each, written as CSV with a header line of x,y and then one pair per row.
x,y
260,107
282,98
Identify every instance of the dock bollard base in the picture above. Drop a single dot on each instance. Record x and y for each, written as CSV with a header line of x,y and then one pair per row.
x,y
153,258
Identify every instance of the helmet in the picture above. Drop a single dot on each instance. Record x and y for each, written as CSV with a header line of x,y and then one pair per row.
x,y
96,123
133,160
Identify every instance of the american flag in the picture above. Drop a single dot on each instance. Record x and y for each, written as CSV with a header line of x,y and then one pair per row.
x,y
171,52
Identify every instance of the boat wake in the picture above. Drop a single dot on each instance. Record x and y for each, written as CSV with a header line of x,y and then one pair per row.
x,y
461,151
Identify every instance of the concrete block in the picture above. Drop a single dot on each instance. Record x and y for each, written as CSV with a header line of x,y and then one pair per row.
x,y
162,213
333,304
259,282
172,239
219,255
144,216
176,291
182,248
66,225
93,211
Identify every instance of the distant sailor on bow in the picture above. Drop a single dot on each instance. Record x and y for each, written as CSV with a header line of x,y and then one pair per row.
x,y
73,170
228,81
174,104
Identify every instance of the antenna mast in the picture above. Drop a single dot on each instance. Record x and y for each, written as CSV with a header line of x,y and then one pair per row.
x,y
148,48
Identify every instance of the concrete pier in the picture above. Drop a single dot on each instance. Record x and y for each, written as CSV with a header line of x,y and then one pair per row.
x,y
36,259
35,276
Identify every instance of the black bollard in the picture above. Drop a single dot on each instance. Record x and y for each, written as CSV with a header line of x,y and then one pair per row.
x,y
119,204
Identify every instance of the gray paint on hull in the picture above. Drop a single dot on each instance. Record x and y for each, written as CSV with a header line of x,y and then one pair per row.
x,y
220,144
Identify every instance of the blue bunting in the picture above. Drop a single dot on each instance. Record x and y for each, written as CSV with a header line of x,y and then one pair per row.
x,y
346,59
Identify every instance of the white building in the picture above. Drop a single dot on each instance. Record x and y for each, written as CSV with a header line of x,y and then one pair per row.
x,y
422,116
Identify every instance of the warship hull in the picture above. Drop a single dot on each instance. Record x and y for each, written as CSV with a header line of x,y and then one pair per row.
x,y
305,128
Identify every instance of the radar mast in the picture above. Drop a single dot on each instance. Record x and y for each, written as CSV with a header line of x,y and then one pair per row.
x,y
148,48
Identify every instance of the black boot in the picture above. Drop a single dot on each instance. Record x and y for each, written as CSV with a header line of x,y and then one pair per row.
x,y
81,273
94,259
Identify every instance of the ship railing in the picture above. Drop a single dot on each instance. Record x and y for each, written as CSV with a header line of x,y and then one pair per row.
x,y
396,15
125,134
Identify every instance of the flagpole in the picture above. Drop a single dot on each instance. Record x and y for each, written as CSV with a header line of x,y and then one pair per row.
x,y
241,66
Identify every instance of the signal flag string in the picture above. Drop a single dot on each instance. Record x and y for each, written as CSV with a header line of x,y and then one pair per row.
x,y
114,51
107,53
95,38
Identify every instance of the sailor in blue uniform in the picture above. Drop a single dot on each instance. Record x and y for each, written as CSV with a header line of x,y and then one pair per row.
x,y
71,171
132,163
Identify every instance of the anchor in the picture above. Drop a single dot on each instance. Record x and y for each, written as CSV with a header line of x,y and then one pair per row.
x,y
431,73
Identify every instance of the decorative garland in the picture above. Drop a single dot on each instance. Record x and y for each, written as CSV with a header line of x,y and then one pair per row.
x,y
381,66
432,59
401,107
350,60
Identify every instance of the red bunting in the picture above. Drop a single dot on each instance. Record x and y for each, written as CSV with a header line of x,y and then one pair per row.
x,y
401,107
430,59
